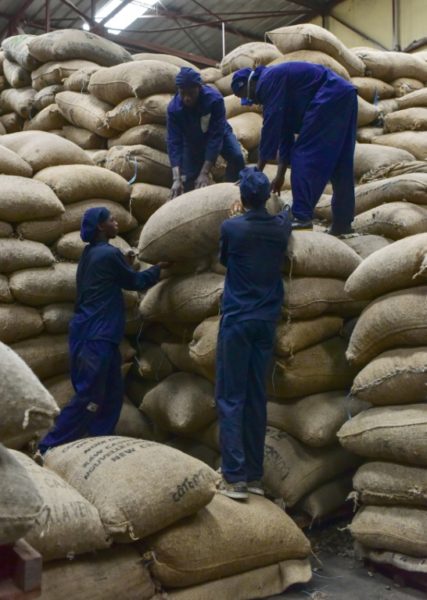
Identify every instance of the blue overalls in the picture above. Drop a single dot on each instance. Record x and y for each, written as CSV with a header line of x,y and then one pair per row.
x,y
321,107
95,333
200,134
252,248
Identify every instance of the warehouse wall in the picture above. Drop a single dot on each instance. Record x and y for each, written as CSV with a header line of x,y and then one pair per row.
x,y
374,18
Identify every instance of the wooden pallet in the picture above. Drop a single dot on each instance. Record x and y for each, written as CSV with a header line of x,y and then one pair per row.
x,y
20,572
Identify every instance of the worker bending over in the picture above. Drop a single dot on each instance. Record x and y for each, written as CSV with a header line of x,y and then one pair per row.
x,y
321,107
198,132
252,248
95,332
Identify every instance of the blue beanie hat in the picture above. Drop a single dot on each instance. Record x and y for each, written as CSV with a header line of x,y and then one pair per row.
x,y
240,79
91,219
188,77
254,187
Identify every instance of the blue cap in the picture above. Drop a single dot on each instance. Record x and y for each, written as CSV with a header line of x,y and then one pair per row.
x,y
240,79
254,187
91,219
188,77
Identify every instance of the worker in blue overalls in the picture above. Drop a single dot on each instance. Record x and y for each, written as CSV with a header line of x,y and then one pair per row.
x,y
198,132
321,107
252,248
95,332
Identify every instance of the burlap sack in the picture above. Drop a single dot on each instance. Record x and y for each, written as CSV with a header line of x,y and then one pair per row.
x,y
140,163
98,157
72,217
197,450
80,79
328,412
249,55
37,287
365,245
18,100
60,387
16,76
85,111
372,156
179,355
48,119
168,58
402,264
84,138
316,57
69,44
20,502
56,317
210,74
292,470
388,66
12,164
70,246
45,231
224,85
21,254
386,107
414,99
16,49
189,225
247,128
414,142
406,85
18,322
365,135
396,320
397,376
12,122
134,79
394,220
6,230
396,559
182,403
327,498
46,96
146,198
410,188
42,149
55,73
293,336
233,107
249,535
153,135
166,485
395,528
46,355
366,112
5,295
394,169
385,483
406,119
132,423
371,89
132,112
152,362
23,198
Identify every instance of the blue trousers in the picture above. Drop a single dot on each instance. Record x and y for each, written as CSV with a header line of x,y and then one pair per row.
x,y
231,152
95,408
324,151
244,352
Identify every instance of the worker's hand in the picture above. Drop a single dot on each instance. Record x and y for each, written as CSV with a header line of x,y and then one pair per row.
x,y
202,181
277,183
177,189
236,210
164,264
130,256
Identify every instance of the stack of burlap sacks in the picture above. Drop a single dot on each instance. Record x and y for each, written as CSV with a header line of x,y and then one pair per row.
x,y
69,509
388,347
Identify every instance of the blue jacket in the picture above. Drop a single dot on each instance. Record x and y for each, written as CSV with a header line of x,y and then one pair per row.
x,y
199,130
252,248
286,91
101,275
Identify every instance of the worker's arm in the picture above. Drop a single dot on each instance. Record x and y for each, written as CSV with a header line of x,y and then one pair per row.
x,y
223,247
175,143
215,139
130,279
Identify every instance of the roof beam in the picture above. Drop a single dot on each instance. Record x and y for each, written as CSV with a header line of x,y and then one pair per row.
x,y
359,32
83,15
15,18
113,13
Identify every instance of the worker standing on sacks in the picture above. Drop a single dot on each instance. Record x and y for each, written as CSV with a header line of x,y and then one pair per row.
x,y
96,331
198,132
321,107
252,248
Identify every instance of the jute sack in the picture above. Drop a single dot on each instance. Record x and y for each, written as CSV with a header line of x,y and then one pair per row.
x,y
414,142
72,217
23,198
46,96
84,138
16,76
37,287
396,559
23,254
72,183
134,79
224,85
12,122
99,576
48,119
292,470
316,254
55,73
56,317
365,135
18,322
313,37
132,423
45,231
247,536
5,295
327,498
69,44
311,297
392,433
179,355
152,362
6,230
79,80
140,163
168,58
394,528
16,49
394,169
395,320
18,100
406,119
249,55
406,85
153,135
320,368
386,483
166,485
210,74
132,112
388,66
267,581
398,376
203,346
85,111
188,299
20,502
58,531
146,198
313,56
365,245
25,405
182,403
12,164
98,157
402,264
233,107
70,246
371,156
293,336
46,355
42,149
371,89
328,412
61,388
189,225
197,450
394,220
411,187
247,128
386,107
366,112
414,99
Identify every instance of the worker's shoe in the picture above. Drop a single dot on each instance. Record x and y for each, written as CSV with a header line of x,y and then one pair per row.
x,y
38,458
298,224
236,491
255,487
339,231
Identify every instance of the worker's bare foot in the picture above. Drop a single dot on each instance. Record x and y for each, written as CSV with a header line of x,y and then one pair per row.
x,y
236,491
